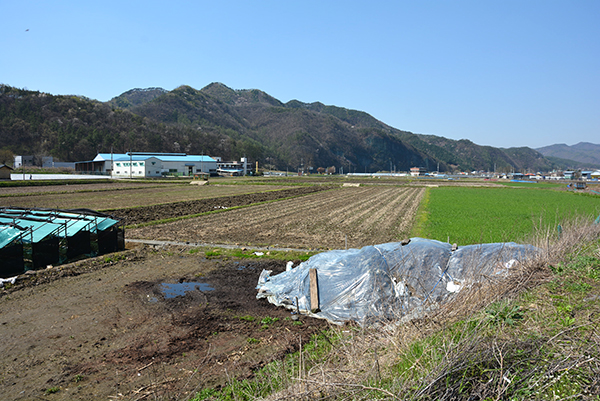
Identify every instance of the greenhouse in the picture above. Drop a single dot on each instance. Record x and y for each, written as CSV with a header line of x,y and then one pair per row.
x,y
32,239
398,280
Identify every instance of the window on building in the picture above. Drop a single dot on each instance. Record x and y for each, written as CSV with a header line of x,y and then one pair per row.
x,y
135,164
118,164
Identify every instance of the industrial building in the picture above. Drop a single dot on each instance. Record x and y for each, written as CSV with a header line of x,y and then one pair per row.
x,y
143,164
32,239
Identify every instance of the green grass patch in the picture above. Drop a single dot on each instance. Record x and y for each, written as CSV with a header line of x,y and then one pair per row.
x,y
467,215
239,253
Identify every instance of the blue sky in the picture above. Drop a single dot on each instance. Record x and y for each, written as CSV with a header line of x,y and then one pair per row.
x,y
500,73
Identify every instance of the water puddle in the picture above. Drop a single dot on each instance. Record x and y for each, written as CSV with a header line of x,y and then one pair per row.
x,y
172,290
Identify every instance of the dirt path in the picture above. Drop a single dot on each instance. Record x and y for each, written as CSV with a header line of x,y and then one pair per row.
x,y
107,328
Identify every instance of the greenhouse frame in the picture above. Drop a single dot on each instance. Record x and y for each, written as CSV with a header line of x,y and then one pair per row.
x,y
32,239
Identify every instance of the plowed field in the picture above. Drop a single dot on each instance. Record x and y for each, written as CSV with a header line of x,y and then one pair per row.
x,y
146,214
105,329
108,196
332,219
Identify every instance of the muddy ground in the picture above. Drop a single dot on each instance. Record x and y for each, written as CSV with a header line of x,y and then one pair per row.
x,y
106,328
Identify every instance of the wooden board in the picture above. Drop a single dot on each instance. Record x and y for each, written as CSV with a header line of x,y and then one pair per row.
x,y
314,291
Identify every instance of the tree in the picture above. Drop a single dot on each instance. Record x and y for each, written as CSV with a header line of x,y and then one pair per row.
x,y
7,157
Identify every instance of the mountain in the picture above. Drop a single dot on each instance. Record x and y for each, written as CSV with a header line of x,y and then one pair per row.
x,y
581,155
221,121
289,135
73,128
135,97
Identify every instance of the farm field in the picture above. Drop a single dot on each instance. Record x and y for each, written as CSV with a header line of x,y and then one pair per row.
x,y
119,195
332,219
475,215
104,328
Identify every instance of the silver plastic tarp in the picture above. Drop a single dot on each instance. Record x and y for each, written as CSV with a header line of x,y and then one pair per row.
x,y
389,281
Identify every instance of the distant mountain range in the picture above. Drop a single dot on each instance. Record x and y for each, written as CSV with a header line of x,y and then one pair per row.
x,y
221,121
583,154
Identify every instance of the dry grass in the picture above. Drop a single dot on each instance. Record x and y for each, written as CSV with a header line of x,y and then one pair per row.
x,y
534,335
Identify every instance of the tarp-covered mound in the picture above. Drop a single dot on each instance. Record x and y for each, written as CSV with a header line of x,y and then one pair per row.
x,y
389,281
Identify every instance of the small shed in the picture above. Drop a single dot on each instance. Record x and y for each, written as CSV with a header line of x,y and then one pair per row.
x,y
5,172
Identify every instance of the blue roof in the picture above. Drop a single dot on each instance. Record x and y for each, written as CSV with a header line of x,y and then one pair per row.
x,y
159,156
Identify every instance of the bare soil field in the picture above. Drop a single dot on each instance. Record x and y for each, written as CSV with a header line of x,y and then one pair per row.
x,y
116,195
108,328
332,219
146,214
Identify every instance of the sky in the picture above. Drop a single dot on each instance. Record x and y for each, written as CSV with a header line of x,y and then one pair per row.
x,y
502,73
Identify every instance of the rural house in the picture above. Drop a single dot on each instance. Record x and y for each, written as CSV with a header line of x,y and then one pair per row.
x,y
5,172
417,171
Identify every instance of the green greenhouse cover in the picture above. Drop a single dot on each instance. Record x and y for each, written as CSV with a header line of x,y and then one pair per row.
x,y
8,235
35,225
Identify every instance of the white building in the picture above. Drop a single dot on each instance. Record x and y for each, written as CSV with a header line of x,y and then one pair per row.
x,y
232,167
141,164
21,161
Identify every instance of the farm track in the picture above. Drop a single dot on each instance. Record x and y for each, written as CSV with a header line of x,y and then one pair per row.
x,y
362,216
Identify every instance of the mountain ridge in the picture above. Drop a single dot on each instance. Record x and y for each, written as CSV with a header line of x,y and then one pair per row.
x,y
582,153
232,123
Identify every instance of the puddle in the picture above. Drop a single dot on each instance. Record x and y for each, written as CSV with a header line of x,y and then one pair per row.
x,y
172,290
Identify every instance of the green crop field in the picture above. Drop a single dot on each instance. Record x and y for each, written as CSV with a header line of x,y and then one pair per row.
x,y
466,215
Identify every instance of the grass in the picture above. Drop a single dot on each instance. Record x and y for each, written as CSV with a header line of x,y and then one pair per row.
x,y
244,253
467,215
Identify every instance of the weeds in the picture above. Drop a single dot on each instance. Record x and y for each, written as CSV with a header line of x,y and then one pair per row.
x,y
532,336
52,390
113,258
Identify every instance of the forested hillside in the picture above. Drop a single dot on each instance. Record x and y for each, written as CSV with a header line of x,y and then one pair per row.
x,y
220,121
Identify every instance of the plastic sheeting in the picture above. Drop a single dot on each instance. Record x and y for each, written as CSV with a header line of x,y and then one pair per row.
x,y
38,225
8,235
389,281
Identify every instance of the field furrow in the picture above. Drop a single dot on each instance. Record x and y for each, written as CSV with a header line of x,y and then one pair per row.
x,y
371,206
321,220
